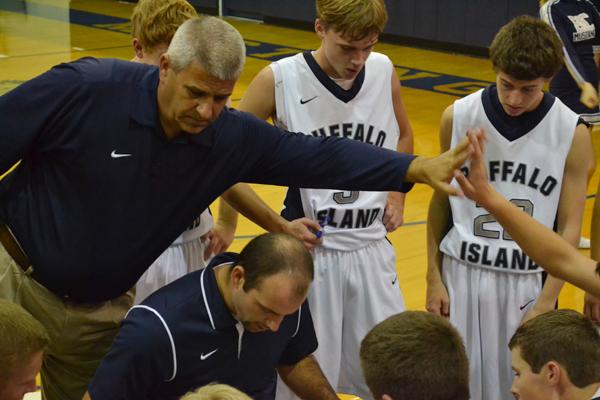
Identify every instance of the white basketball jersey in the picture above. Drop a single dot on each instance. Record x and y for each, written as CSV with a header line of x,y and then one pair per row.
x,y
307,102
528,171
197,229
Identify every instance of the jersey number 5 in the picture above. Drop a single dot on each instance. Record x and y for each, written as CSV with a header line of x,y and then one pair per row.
x,y
479,222
345,197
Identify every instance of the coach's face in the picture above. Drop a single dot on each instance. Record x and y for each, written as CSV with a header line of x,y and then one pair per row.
x,y
191,99
263,308
528,385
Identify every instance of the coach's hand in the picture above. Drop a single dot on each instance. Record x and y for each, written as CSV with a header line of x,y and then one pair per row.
x,y
437,172
437,300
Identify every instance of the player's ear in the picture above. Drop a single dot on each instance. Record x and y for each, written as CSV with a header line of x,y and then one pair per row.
x,y
552,372
386,397
319,28
138,48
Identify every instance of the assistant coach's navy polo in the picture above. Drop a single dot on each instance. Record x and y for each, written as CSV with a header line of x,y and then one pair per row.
x,y
101,192
183,337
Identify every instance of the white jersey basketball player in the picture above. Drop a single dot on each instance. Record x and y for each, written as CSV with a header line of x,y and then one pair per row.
x,y
537,156
343,90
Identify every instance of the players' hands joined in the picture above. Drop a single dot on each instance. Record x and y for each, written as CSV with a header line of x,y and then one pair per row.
x,y
437,300
591,308
476,185
589,95
393,217
220,238
304,229
437,172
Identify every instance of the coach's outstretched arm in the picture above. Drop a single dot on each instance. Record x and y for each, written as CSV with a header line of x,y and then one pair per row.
x,y
544,246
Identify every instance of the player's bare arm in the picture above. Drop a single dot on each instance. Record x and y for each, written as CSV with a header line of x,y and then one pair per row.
x,y
222,234
437,299
394,209
570,209
306,379
259,98
544,246
249,204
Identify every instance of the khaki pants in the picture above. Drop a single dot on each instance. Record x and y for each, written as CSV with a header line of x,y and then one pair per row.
x,y
80,334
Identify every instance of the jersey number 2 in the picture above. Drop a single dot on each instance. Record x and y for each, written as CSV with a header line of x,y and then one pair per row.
x,y
480,221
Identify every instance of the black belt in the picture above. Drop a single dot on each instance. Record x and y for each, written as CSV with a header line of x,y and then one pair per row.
x,y
13,248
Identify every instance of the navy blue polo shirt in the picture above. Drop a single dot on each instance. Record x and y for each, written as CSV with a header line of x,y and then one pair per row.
x,y
183,337
101,191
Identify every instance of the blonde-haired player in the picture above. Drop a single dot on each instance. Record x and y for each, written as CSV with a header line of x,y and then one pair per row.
x,y
216,392
153,24
343,89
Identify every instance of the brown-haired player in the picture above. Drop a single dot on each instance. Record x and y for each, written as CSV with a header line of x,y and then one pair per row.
x,y
538,153
343,89
556,355
22,343
549,345
415,355
153,24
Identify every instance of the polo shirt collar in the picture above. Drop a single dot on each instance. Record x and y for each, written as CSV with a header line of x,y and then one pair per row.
x,y
205,138
208,136
219,315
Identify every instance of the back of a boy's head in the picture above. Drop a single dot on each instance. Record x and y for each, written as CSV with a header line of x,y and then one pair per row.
x,y
526,49
21,336
415,355
353,19
154,22
563,336
216,392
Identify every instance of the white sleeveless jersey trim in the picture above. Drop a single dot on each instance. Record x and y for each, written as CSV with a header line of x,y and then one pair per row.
x,y
197,229
528,171
304,104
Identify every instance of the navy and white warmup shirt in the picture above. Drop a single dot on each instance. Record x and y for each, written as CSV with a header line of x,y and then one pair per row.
x,y
183,337
577,23
101,192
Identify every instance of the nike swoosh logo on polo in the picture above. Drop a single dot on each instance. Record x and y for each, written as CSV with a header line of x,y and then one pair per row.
x,y
114,154
205,356
395,279
306,101
526,304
